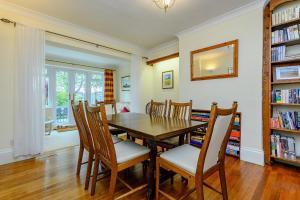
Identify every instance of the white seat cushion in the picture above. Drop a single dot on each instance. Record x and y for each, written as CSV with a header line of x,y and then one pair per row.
x,y
185,157
128,150
115,139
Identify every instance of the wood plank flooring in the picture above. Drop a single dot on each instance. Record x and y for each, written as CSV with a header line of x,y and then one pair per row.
x,y
54,177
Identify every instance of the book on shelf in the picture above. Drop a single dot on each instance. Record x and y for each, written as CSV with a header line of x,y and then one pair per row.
x,y
286,120
200,116
286,15
283,146
278,53
290,96
285,34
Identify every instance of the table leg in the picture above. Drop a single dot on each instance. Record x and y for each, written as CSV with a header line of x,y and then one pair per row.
x,y
151,175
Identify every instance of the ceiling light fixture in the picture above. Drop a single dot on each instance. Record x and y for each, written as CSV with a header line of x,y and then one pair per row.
x,y
164,4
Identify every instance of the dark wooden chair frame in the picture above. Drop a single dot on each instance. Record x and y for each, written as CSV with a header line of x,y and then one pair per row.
x,y
199,177
113,131
105,151
86,142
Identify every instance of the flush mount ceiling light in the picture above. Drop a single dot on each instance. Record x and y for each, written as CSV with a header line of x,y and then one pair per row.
x,y
164,4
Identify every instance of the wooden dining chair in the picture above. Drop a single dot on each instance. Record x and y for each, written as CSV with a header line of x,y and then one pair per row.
x,y
116,157
111,108
147,108
158,108
178,111
200,164
86,142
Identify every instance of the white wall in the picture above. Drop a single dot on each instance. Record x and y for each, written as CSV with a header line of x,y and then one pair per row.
x,y
246,88
160,94
141,84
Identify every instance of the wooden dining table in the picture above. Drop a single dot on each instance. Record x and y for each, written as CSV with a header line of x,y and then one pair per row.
x,y
153,129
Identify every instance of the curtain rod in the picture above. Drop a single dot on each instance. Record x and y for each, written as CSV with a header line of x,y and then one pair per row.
x,y
69,63
73,38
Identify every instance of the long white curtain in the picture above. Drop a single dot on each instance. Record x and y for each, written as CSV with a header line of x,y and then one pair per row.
x,y
29,88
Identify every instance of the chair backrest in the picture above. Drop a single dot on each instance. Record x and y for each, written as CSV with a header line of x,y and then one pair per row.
x,y
82,126
180,110
110,106
147,109
219,129
158,108
103,144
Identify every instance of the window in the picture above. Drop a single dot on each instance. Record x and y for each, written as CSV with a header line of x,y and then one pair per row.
x,y
61,84
97,87
80,87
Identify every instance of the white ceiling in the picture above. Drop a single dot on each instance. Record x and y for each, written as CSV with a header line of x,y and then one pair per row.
x,y
137,21
59,52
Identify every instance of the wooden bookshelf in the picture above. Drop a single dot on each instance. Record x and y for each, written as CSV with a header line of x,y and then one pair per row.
x,y
288,131
286,24
285,104
269,82
287,43
287,161
236,127
285,82
287,61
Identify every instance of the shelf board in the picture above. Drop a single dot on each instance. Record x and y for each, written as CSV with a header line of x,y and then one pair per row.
x,y
285,82
285,24
288,61
285,104
289,131
287,161
287,43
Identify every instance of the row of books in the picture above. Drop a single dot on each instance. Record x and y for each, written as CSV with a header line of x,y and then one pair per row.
x,y
200,116
204,117
291,96
278,53
283,146
286,120
286,34
233,148
197,140
291,13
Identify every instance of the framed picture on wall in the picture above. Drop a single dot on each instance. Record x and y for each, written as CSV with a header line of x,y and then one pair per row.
x,y
125,83
167,80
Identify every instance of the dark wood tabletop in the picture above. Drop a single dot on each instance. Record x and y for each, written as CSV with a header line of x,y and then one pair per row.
x,y
154,128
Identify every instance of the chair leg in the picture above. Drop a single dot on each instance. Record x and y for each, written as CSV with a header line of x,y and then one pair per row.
x,y
112,184
157,178
95,174
223,181
88,171
199,190
80,155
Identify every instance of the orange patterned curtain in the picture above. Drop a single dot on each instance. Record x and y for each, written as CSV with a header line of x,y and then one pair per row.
x,y
109,85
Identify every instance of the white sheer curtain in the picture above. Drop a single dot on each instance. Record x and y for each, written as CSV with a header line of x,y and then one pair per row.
x,y
29,88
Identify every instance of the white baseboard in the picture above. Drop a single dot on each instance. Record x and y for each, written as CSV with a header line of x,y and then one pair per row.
x,y
6,156
252,155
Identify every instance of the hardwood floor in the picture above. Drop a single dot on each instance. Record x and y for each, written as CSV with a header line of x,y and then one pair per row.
x,y
54,177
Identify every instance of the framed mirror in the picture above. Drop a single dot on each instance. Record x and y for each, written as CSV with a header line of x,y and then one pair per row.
x,y
218,61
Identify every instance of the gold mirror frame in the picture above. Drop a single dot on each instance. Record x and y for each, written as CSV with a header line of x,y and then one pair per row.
x,y
235,61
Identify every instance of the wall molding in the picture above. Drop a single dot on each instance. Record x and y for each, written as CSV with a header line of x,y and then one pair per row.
x,y
161,59
6,156
221,18
252,155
